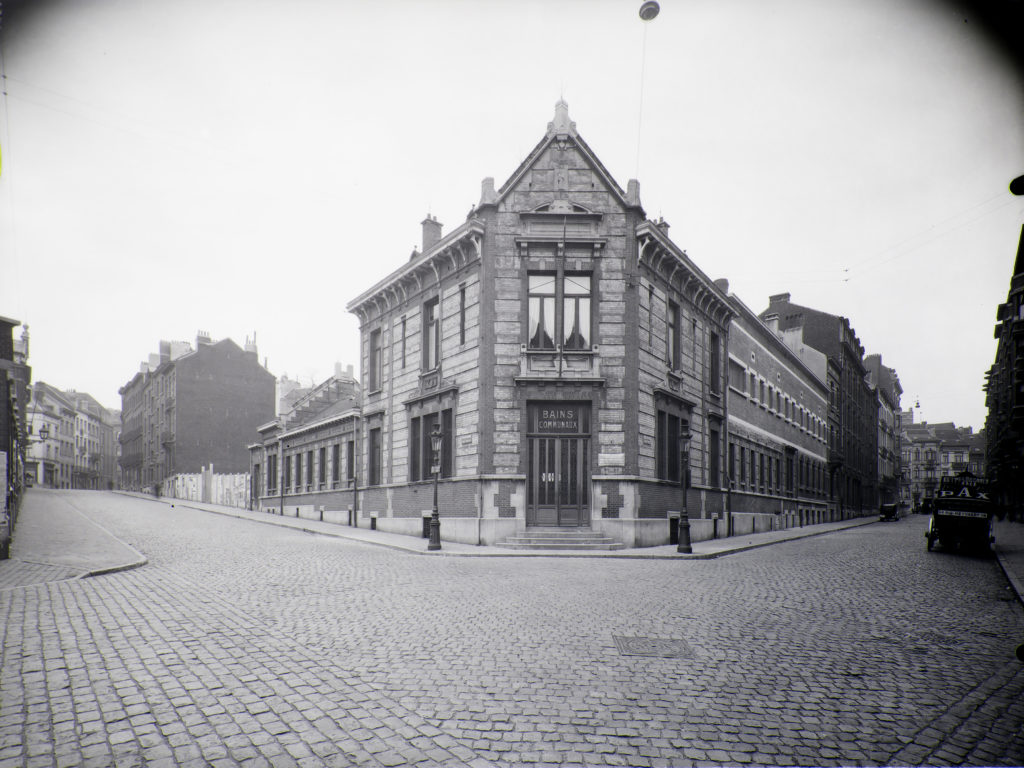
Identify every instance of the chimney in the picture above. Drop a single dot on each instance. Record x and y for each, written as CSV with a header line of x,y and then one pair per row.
x,y
662,225
633,192
487,194
772,321
431,232
778,298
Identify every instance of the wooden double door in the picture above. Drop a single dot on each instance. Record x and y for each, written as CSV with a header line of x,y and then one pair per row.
x,y
558,464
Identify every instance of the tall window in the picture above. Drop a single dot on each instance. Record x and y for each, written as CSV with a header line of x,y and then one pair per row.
x,y
713,460
541,299
404,323
350,459
714,368
431,335
462,314
335,463
667,432
672,336
298,472
559,310
322,471
376,456
576,311
309,470
271,472
420,449
376,367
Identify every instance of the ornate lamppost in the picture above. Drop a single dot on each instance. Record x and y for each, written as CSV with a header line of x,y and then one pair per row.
x,y
435,521
684,471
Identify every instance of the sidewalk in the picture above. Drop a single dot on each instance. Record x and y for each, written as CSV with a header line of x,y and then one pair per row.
x,y
52,535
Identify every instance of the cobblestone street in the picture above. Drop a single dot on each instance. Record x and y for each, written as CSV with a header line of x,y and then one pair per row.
x,y
247,644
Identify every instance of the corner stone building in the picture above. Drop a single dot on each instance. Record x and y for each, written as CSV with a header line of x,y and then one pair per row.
x,y
563,344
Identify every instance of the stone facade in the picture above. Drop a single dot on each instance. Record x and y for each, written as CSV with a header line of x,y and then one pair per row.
x,y
563,343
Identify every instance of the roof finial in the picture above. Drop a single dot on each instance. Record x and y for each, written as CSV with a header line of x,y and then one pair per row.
x,y
561,123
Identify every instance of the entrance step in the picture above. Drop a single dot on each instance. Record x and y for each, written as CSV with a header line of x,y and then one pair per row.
x,y
560,538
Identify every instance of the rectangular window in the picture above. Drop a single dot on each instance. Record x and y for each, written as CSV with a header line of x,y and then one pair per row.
x,y
322,471
713,460
541,309
272,472
297,484
309,470
576,311
650,316
376,456
421,451
672,336
743,466
462,314
559,310
737,376
761,474
667,451
335,464
350,460
714,367
375,374
404,328
415,454
431,335
753,384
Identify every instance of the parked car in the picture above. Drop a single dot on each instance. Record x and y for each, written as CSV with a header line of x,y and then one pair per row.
x,y
889,512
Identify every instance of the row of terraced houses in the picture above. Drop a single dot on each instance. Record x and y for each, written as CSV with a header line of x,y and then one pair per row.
x,y
584,374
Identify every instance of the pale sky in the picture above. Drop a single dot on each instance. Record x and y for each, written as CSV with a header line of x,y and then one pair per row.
x,y
244,167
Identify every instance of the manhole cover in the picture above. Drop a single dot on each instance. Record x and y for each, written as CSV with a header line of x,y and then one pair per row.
x,y
653,646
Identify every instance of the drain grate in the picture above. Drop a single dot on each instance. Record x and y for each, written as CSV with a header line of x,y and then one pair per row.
x,y
653,646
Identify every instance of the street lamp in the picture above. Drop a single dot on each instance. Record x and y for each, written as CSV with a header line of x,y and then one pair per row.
x,y
435,521
684,520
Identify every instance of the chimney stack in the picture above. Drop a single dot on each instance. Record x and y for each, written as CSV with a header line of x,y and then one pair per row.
x,y
431,232
772,321
778,298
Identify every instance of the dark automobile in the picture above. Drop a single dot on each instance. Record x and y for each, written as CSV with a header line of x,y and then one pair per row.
x,y
889,512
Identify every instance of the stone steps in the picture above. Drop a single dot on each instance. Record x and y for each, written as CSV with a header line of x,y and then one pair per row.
x,y
560,538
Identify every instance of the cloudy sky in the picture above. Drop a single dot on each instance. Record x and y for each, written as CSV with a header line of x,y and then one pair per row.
x,y
249,167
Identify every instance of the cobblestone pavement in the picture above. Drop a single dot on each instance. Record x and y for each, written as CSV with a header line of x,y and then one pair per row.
x,y
248,644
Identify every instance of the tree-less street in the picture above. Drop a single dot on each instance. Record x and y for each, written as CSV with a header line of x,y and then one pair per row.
x,y
248,644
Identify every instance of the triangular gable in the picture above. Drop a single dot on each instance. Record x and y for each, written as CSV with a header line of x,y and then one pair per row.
x,y
561,129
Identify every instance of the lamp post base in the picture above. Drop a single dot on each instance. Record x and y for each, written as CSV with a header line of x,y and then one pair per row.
x,y
435,534
684,545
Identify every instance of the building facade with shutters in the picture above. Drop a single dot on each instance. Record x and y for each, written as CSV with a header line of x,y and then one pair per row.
x,y
563,344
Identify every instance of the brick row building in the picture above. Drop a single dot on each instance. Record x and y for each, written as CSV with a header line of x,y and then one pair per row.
x,y
188,409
